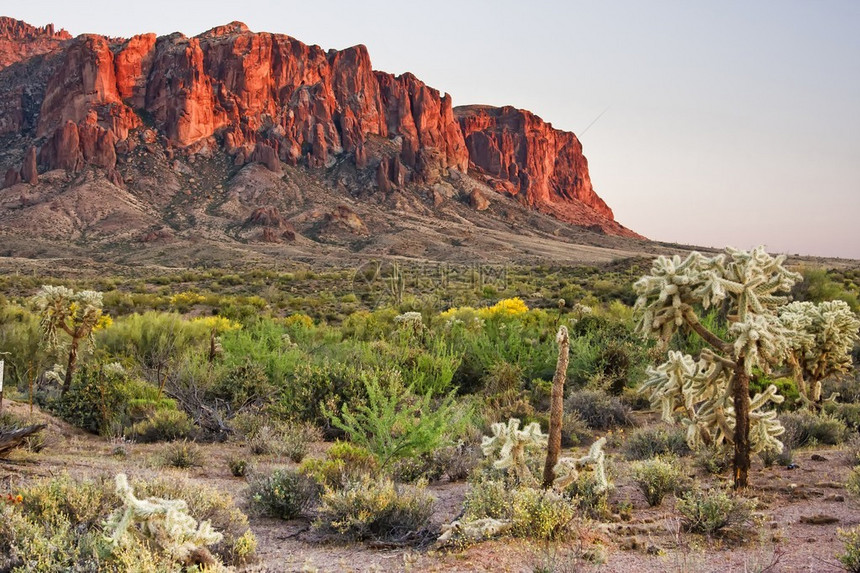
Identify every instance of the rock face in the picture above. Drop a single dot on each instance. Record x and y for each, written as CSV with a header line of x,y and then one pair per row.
x,y
270,99
527,158
19,40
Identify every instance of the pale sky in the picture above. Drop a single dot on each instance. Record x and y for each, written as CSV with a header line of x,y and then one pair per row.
x,y
726,122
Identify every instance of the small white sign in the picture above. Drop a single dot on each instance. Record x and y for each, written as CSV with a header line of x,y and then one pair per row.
x,y
2,368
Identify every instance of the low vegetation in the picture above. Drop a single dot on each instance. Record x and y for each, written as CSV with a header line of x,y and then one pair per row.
x,y
537,401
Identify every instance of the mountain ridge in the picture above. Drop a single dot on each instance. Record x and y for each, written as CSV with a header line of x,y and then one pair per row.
x,y
163,133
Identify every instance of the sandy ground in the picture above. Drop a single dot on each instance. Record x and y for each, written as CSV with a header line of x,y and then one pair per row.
x,y
650,541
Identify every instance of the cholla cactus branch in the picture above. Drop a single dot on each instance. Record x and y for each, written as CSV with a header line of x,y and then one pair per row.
x,y
164,522
509,443
474,530
567,469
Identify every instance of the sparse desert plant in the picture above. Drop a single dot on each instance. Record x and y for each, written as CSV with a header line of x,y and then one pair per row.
x,y
284,494
598,409
710,511
238,466
488,498
712,460
650,442
58,527
344,463
290,439
181,455
162,425
853,482
457,461
657,477
542,514
375,508
803,428
711,394
850,559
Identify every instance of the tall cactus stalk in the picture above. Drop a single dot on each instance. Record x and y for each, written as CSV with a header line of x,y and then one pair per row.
x,y
556,413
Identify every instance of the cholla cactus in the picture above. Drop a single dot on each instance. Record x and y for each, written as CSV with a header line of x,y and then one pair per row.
x,y
567,469
822,337
510,443
163,521
711,394
75,313
410,318
474,530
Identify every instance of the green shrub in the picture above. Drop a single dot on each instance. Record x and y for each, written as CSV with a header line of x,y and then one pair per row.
x,y
851,557
657,477
58,526
598,409
541,514
803,428
853,482
457,461
585,492
238,466
163,425
344,463
395,422
650,442
290,439
284,493
296,439
848,413
375,509
710,511
181,455
713,461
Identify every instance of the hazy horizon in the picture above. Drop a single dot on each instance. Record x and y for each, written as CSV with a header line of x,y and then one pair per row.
x,y
723,124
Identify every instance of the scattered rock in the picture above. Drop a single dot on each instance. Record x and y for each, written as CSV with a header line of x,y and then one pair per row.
x,y
818,519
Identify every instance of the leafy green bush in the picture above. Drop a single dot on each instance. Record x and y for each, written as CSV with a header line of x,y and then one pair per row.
x,y
395,422
375,509
650,442
657,477
284,493
851,557
710,511
598,409
344,463
163,425
804,428
488,498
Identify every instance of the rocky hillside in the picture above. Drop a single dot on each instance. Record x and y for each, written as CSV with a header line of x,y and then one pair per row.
x,y
235,138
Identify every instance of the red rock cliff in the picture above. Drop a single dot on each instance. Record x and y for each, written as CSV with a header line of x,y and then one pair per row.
x,y
269,98
19,40
529,158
